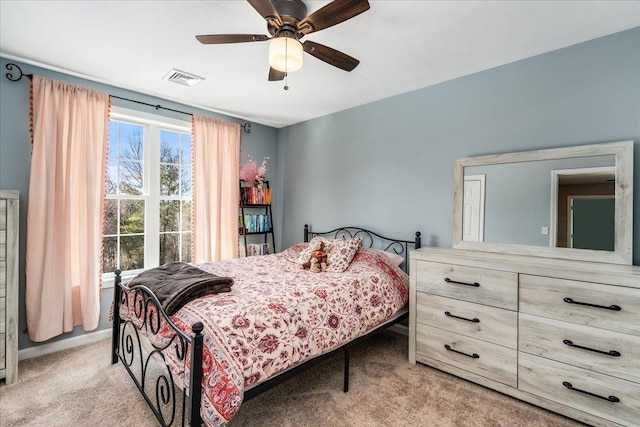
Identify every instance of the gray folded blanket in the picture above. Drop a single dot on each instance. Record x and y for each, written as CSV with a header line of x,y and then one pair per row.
x,y
177,283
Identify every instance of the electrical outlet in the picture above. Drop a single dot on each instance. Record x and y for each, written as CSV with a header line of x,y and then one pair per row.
x,y
545,231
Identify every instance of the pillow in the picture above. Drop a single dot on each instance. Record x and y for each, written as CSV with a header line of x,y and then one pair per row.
x,y
393,258
340,253
292,253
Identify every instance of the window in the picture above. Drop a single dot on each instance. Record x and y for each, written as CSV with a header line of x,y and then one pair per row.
x,y
148,202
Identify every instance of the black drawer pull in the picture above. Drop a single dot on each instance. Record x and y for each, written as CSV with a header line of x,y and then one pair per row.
x,y
608,353
609,399
473,356
474,320
474,284
611,307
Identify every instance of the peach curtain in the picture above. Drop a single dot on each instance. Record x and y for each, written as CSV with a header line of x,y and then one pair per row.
x,y
216,165
65,209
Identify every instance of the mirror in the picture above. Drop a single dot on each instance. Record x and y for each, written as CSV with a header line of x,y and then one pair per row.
x,y
571,203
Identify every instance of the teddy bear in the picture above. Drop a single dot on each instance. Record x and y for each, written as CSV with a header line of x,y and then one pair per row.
x,y
318,260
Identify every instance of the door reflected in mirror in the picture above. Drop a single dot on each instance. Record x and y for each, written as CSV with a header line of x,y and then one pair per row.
x,y
585,208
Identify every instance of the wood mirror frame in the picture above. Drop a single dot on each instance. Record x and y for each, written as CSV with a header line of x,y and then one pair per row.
x,y
623,250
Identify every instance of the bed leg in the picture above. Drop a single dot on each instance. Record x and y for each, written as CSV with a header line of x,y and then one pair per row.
x,y
346,368
195,385
115,334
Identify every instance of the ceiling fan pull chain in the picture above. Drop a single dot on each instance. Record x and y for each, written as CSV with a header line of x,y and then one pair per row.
x,y
286,64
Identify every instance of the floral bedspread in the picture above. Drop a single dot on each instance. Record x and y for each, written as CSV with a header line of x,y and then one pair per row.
x,y
278,315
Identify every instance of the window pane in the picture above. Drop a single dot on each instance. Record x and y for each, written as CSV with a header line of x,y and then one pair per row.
x,y
109,254
169,147
114,146
169,248
112,177
131,216
186,216
111,217
185,188
169,180
131,177
185,144
131,252
170,215
131,137
186,247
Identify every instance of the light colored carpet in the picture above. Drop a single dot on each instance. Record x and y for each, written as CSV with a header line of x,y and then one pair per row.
x,y
80,387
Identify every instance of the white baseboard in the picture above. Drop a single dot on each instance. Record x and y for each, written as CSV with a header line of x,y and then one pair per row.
x,y
41,350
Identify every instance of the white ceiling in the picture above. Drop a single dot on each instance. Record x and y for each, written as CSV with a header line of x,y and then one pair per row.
x,y
402,45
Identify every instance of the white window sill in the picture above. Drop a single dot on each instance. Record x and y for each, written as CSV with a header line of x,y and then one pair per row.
x,y
109,279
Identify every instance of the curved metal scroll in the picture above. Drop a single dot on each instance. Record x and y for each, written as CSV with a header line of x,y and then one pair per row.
x,y
147,323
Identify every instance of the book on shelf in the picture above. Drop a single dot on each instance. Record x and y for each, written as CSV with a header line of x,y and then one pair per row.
x,y
255,196
255,249
250,223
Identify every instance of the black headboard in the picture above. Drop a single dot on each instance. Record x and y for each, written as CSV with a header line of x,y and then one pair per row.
x,y
369,239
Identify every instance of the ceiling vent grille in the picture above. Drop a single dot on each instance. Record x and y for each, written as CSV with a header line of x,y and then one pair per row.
x,y
182,78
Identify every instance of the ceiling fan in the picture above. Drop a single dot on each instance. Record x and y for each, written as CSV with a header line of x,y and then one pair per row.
x,y
288,22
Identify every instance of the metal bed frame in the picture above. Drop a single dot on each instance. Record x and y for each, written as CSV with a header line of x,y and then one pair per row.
x,y
170,402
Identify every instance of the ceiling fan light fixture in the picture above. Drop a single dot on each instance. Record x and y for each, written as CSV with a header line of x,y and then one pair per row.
x,y
285,54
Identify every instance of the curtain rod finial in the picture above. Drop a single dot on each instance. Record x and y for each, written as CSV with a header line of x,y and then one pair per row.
x,y
10,66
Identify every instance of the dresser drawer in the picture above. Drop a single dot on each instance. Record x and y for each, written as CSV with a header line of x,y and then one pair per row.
x,y
482,322
545,378
3,245
551,297
3,351
581,346
480,357
3,314
480,285
3,278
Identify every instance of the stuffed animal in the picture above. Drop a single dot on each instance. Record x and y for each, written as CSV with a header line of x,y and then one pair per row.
x,y
318,260
314,266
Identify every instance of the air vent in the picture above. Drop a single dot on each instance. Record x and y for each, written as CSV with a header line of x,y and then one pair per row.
x,y
182,77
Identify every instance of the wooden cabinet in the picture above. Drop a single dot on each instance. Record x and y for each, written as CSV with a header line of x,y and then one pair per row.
x,y
559,334
9,208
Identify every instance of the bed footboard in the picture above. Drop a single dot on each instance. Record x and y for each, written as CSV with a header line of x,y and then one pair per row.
x,y
144,342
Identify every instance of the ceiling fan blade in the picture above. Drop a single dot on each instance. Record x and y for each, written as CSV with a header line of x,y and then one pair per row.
x,y
231,38
275,75
334,13
330,56
268,12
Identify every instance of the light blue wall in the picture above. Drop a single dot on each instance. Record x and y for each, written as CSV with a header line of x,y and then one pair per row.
x,y
15,156
388,165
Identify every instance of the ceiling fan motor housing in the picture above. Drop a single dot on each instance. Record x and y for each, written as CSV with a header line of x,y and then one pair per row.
x,y
290,11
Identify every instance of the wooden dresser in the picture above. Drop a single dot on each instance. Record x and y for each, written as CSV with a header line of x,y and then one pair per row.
x,y
563,335
9,202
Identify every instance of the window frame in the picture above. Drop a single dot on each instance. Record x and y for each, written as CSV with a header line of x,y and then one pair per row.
x,y
152,125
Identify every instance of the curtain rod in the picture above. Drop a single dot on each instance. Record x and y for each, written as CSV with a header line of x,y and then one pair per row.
x,y
10,66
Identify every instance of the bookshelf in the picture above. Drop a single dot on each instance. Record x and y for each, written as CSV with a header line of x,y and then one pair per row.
x,y
255,220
